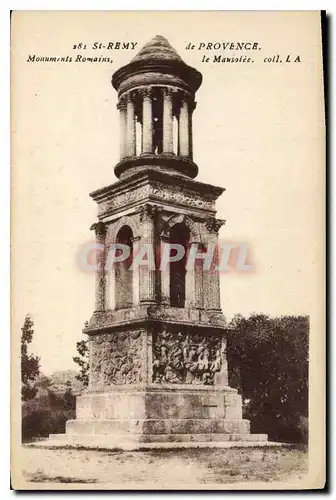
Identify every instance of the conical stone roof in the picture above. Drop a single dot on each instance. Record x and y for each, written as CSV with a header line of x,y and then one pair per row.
x,y
157,57
157,49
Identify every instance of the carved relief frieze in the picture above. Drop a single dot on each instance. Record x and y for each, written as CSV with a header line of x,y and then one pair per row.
x,y
124,199
182,197
116,358
156,191
180,358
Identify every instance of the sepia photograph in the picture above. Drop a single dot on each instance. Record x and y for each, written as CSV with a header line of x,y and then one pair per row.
x,y
167,250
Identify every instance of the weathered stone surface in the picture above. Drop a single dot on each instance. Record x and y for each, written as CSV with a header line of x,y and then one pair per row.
x,y
159,402
193,317
158,426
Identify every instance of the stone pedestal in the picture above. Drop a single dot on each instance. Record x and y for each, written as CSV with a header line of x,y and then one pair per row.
x,y
127,417
157,384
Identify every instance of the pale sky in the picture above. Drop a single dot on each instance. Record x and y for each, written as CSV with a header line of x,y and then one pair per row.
x,y
257,130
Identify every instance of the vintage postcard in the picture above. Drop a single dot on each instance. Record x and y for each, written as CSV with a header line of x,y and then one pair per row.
x,y
168,250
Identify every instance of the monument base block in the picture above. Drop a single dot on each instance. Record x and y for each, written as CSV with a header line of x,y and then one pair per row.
x,y
128,416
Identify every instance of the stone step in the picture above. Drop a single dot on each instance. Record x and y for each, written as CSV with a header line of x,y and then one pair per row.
x,y
180,438
158,426
159,438
122,442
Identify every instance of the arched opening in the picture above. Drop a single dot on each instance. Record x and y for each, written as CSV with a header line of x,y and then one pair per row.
x,y
179,234
123,273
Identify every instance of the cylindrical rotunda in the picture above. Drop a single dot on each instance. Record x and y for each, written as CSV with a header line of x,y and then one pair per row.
x,y
157,90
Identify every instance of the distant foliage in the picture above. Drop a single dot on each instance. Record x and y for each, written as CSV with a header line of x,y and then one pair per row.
x,y
268,359
30,364
83,362
61,379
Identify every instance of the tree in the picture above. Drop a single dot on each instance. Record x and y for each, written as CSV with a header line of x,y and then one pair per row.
x,y
69,398
268,358
83,362
30,364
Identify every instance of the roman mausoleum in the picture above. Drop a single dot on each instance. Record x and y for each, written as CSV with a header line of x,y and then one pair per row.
x,y
157,337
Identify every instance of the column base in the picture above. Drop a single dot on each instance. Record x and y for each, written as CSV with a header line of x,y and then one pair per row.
x,y
127,418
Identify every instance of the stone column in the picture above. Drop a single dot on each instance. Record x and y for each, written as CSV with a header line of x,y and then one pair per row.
x,y
192,106
199,301
147,122
100,302
111,283
131,141
167,121
136,273
183,128
194,281
165,275
123,126
211,277
190,284
147,275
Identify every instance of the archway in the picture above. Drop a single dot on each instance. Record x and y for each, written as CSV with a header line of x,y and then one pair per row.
x,y
123,273
179,234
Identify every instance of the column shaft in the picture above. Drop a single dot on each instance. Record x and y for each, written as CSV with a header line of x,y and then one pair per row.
x,y
165,277
131,143
190,138
184,129
123,129
216,302
111,284
147,273
147,124
190,287
167,122
136,274
211,278
100,302
199,302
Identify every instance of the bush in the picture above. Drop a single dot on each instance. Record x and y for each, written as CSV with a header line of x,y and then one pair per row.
x,y
46,415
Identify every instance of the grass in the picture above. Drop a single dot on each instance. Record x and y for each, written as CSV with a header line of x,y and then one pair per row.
x,y
163,468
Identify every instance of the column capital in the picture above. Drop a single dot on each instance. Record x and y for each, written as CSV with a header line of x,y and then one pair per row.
x,y
122,103
144,92
169,91
99,228
190,100
213,225
130,96
147,212
184,96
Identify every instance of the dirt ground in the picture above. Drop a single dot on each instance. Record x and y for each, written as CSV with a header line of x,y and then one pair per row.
x,y
161,469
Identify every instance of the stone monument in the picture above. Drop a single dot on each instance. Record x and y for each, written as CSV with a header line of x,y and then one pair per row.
x,y
157,338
